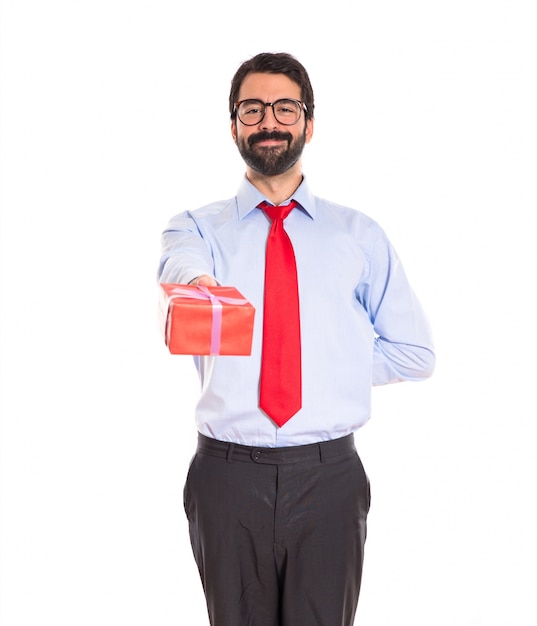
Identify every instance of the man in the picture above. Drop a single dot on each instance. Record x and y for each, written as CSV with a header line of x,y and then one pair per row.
x,y
277,497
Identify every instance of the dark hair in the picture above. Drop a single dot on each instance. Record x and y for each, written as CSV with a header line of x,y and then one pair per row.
x,y
273,63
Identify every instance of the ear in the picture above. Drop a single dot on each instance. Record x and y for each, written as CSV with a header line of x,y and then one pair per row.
x,y
309,130
234,130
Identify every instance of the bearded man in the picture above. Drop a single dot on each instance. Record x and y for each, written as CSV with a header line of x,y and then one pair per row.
x,y
276,495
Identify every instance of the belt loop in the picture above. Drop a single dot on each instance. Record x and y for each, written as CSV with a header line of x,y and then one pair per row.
x,y
321,458
229,457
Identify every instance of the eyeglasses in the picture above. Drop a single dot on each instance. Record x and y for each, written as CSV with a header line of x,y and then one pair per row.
x,y
286,111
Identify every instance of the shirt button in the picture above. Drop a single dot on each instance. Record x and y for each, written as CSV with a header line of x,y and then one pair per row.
x,y
256,455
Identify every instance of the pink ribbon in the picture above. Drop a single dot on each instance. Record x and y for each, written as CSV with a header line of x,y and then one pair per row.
x,y
203,293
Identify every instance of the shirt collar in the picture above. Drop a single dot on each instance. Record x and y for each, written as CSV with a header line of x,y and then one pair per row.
x,y
248,197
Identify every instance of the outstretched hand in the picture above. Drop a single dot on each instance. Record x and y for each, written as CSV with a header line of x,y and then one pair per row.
x,y
204,281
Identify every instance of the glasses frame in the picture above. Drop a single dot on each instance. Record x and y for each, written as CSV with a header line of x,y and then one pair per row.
x,y
236,106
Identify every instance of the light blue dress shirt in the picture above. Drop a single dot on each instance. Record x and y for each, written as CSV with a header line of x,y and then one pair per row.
x,y
361,323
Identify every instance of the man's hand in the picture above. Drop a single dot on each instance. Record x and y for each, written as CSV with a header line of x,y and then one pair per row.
x,y
204,280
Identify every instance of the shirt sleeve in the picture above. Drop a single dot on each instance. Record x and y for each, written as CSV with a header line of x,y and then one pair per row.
x,y
185,253
403,346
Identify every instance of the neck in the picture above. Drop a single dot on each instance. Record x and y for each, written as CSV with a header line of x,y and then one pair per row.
x,y
276,188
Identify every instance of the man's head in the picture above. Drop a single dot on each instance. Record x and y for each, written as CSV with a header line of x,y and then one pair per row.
x,y
271,107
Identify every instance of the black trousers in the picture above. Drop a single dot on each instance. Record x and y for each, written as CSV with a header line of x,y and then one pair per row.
x,y
278,533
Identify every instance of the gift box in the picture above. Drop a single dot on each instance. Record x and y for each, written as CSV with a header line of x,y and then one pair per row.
x,y
200,320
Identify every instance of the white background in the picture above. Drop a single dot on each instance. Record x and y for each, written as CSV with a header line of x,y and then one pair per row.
x,y
114,118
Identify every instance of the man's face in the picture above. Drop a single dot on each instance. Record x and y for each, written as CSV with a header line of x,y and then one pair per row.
x,y
271,148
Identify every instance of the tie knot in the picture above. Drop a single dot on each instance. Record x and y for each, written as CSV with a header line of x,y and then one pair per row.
x,y
277,212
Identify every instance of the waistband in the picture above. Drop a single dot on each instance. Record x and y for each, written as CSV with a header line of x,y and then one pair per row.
x,y
319,452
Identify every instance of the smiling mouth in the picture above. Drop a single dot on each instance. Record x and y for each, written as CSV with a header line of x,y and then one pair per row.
x,y
270,143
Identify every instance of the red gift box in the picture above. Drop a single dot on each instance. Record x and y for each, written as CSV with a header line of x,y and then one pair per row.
x,y
201,320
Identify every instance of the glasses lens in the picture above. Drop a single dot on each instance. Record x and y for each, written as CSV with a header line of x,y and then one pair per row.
x,y
286,112
251,112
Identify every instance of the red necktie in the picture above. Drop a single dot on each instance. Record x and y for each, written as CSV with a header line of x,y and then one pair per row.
x,y
281,379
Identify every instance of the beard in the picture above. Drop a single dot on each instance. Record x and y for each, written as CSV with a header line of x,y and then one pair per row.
x,y
274,160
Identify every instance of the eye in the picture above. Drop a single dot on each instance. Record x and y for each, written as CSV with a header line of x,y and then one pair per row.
x,y
251,108
287,107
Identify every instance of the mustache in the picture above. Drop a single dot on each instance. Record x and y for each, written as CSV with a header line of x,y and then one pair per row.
x,y
265,135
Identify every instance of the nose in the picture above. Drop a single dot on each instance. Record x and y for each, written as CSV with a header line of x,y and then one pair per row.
x,y
269,121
